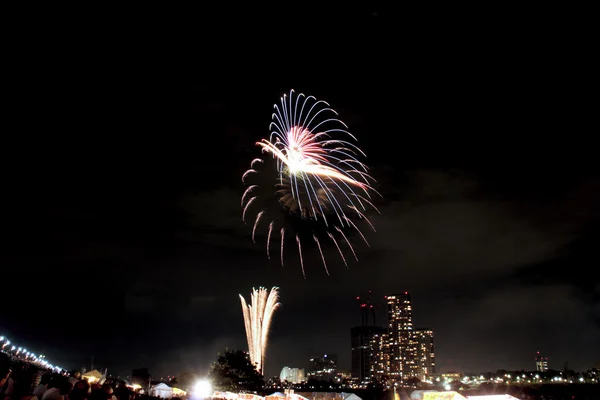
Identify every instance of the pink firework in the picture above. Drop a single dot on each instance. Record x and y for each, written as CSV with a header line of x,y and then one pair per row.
x,y
319,176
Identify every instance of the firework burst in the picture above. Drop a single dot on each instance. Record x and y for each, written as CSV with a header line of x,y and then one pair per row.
x,y
319,179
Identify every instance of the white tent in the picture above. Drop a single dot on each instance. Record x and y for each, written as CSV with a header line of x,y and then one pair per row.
x,y
296,396
249,396
162,390
350,396
225,395
435,395
93,376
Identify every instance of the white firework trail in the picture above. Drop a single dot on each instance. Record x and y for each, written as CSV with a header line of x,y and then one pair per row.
x,y
257,321
269,238
300,253
282,241
258,217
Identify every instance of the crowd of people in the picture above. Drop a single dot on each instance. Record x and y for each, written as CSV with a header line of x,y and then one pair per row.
x,y
24,381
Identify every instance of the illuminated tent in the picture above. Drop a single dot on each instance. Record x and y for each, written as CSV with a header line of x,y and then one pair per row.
x,y
435,395
276,395
225,395
350,396
249,396
296,396
163,391
178,392
93,376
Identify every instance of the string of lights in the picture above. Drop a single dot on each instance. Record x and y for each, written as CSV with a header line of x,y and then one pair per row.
x,y
22,354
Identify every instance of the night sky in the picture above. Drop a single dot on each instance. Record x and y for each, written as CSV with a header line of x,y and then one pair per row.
x,y
121,222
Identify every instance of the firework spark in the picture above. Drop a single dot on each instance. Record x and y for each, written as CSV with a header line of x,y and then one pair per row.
x,y
319,175
257,320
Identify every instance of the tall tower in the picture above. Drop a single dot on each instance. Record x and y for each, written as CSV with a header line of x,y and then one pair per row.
x,y
257,320
402,347
425,353
366,308
361,340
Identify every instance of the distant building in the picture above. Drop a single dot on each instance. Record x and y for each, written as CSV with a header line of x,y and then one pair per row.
x,y
292,375
402,347
323,368
364,350
425,357
541,363
381,365
396,353
343,375
451,376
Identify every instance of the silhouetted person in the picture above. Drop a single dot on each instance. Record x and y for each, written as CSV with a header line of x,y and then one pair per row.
x,y
5,372
122,392
56,387
81,391
75,377
27,381
42,387
104,393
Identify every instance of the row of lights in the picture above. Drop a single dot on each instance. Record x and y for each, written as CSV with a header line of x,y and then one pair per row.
x,y
521,379
21,352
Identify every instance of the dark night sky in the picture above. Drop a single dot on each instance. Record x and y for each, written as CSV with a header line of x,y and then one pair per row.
x,y
122,229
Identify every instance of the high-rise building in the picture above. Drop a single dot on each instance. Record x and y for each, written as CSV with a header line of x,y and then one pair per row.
x,y
425,353
292,375
402,347
380,368
323,368
364,350
541,363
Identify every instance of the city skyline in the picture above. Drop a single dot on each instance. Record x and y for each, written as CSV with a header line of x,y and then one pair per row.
x,y
122,189
396,353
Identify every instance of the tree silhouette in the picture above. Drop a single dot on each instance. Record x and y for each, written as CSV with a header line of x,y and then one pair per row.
x,y
234,372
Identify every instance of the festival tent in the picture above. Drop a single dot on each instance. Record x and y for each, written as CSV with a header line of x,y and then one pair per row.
x,y
163,391
249,396
350,396
93,376
275,396
225,395
435,395
296,396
